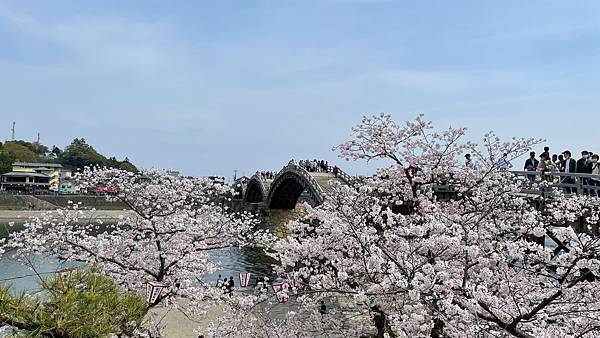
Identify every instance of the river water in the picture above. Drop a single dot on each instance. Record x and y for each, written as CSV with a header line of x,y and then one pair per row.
x,y
229,261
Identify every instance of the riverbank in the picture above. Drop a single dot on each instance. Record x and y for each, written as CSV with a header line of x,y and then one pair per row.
x,y
178,324
47,202
23,215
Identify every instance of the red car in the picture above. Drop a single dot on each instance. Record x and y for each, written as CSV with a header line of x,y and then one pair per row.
x,y
104,189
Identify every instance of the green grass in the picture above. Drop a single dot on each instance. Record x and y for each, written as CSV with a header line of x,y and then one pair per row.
x,y
10,207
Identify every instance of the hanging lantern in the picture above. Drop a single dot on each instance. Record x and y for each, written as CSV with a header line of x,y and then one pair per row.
x,y
244,278
280,289
153,291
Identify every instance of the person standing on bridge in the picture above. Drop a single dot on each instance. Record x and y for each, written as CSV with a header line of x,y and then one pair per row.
x,y
595,171
559,162
546,151
568,166
504,164
336,170
531,165
584,166
469,162
547,167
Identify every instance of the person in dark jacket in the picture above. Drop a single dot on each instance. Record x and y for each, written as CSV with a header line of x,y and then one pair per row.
x,y
568,165
584,166
531,165
230,286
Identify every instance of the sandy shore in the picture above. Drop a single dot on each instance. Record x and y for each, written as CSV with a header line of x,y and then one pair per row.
x,y
177,324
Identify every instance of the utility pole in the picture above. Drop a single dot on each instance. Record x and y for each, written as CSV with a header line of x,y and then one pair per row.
x,y
234,175
13,131
38,139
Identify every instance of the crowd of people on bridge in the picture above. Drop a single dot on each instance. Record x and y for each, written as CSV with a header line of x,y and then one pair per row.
x,y
266,175
314,166
588,163
564,162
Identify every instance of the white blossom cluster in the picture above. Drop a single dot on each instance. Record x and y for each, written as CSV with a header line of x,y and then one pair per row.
x,y
164,235
465,261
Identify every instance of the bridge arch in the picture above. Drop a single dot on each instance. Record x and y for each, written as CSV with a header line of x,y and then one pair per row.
x,y
288,186
255,190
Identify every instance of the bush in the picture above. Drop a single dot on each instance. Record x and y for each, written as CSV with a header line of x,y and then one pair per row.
x,y
79,303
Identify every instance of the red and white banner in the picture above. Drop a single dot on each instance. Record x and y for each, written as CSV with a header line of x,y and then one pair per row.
x,y
292,279
153,291
244,279
281,291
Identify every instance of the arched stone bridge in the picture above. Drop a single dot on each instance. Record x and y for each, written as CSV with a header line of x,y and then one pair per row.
x,y
292,184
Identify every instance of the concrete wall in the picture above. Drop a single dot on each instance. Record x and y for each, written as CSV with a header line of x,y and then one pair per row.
x,y
88,202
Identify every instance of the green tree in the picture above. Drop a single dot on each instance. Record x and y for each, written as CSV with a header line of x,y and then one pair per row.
x,y
39,149
14,151
126,165
80,154
6,161
18,151
81,303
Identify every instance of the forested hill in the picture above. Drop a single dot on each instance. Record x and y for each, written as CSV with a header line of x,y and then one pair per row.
x,y
76,155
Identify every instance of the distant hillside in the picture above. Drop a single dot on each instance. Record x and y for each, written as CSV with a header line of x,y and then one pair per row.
x,y
76,155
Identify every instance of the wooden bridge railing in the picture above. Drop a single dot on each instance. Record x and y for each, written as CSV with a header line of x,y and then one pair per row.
x,y
569,183
341,175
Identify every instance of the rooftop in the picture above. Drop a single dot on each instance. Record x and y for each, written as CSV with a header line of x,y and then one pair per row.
x,y
37,165
24,174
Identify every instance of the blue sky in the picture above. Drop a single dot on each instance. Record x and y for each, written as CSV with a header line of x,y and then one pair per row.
x,y
209,87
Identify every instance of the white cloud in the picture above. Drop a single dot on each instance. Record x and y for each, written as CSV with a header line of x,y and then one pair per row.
x,y
101,41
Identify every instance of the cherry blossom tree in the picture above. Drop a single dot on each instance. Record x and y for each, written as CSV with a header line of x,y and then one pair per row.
x,y
430,247
170,225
